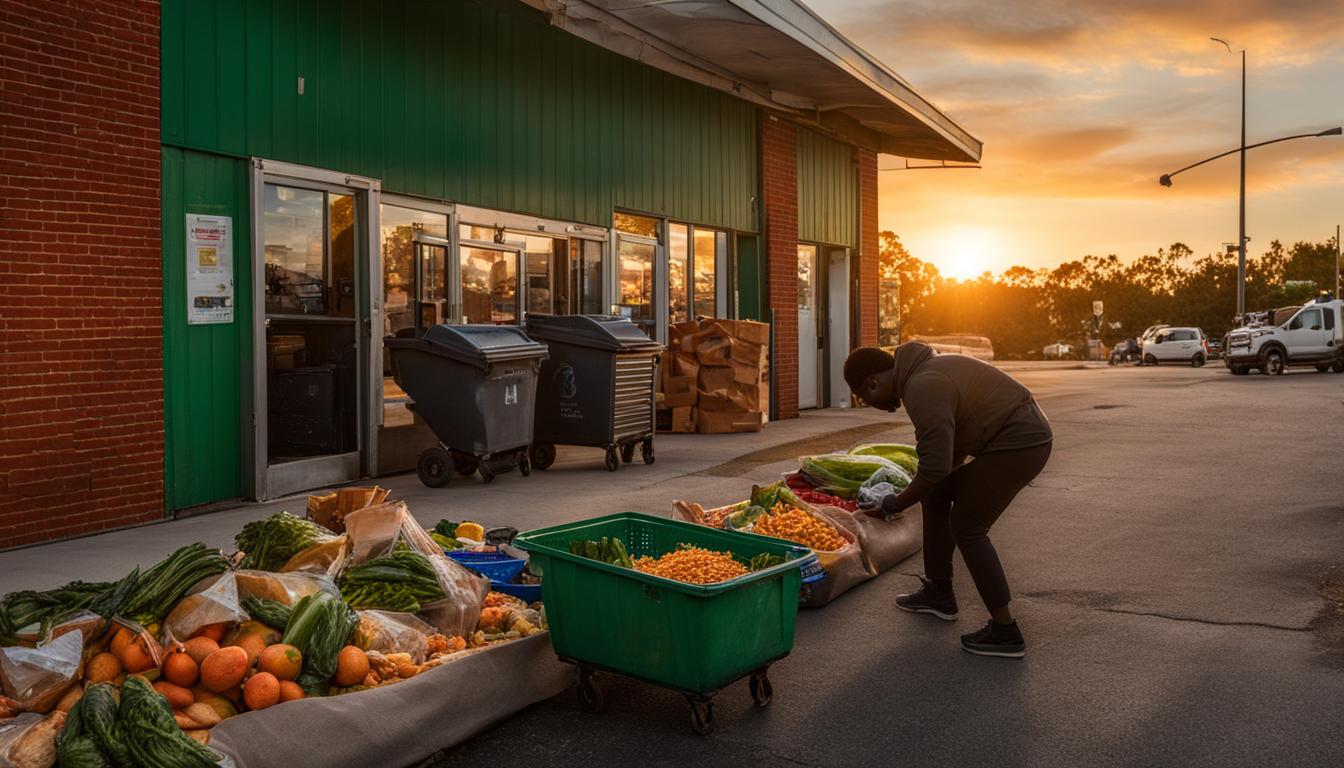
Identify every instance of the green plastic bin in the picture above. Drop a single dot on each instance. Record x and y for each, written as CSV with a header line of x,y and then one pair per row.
x,y
692,638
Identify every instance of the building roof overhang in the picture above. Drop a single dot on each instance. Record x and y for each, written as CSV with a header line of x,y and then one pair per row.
x,y
778,54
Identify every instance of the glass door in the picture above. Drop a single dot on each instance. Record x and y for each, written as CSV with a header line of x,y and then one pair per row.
x,y
585,276
808,359
488,283
309,383
635,296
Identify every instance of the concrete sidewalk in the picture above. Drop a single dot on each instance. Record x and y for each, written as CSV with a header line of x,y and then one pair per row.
x,y
713,469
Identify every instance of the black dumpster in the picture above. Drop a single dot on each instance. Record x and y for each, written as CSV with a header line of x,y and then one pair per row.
x,y
596,387
474,385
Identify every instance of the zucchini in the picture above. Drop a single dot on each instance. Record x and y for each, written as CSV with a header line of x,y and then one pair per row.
x,y
272,613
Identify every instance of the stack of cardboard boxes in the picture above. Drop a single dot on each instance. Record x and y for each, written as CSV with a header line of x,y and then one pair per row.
x,y
715,376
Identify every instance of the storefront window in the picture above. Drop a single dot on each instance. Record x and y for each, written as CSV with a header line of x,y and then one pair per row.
x,y
478,233
706,264
398,229
296,280
540,254
631,224
807,260
489,286
678,264
585,276
636,282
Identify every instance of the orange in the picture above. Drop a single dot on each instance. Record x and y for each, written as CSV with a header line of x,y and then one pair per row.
x,y
181,669
283,661
352,666
261,691
290,690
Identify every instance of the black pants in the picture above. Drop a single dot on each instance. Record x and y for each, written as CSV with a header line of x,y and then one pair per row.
x,y
959,511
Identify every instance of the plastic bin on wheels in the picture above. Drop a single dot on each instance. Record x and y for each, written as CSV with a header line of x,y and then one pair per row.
x,y
475,386
596,387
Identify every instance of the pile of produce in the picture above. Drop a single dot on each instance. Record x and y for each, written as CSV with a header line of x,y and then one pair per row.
x,y
693,565
799,526
605,550
811,495
843,475
136,672
401,581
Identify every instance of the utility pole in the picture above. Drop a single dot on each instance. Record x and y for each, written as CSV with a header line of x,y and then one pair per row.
x,y
1337,261
1241,207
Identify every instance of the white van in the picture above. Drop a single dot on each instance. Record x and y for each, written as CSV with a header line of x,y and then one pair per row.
x,y
1313,335
1175,344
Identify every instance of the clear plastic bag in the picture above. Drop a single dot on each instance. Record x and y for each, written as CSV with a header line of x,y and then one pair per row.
x,y
214,601
464,593
36,678
29,740
325,558
88,622
393,632
287,588
840,474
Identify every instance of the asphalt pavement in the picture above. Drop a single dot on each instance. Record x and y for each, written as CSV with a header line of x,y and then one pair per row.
x,y
1177,571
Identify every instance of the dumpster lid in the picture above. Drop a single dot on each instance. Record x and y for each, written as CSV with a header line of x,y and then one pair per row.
x,y
484,344
610,332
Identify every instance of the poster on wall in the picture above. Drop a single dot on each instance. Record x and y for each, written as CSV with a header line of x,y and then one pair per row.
x,y
209,269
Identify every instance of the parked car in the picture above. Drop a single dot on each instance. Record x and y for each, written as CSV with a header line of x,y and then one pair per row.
x,y
1057,351
1312,336
1176,344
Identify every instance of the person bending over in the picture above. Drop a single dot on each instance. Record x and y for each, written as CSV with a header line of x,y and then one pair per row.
x,y
960,407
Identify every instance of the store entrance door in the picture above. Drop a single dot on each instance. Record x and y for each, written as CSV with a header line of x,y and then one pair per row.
x,y
808,317
311,383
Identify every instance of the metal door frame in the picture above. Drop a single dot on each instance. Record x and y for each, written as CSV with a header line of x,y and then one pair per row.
x,y
818,287
613,274
266,481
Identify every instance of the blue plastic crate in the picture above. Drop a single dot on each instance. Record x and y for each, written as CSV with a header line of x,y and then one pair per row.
x,y
495,566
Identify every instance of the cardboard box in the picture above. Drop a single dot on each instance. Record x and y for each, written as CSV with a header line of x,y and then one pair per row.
x,y
750,397
679,391
719,422
748,353
713,347
749,374
683,419
752,332
685,364
715,379
709,401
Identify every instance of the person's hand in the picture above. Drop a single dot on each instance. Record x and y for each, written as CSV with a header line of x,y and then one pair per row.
x,y
871,508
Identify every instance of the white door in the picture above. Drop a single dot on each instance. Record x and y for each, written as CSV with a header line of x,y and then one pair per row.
x,y
1306,334
837,328
807,326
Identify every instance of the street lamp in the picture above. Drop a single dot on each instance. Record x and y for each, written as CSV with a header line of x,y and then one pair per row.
x,y
1165,179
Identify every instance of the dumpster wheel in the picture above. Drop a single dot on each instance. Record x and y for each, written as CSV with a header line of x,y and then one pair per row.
x,y
612,462
487,472
524,463
434,467
542,455
589,694
646,449
702,715
761,690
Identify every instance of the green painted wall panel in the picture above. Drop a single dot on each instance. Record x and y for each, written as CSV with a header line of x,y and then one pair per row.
x,y
828,190
478,101
203,376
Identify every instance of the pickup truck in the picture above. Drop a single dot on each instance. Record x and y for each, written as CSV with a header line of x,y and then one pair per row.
x,y
1312,336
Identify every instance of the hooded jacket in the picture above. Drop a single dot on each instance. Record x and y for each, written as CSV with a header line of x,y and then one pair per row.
x,y
961,407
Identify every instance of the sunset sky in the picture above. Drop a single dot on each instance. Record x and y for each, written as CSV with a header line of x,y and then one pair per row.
x,y
1082,104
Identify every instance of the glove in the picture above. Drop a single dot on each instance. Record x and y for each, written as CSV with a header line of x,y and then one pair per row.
x,y
878,501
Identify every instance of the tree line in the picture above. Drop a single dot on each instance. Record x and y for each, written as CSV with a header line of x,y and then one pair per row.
x,y
1022,310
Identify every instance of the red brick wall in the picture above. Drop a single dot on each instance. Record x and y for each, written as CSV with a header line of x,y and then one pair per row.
x,y
779,175
81,329
868,247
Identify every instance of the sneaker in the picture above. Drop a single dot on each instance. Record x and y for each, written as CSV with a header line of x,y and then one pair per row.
x,y
996,639
933,597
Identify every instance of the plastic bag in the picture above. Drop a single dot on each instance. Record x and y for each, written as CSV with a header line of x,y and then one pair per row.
x,y
88,622
901,454
841,474
464,592
330,510
214,601
29,740
325,558
36,678
393,632
287,588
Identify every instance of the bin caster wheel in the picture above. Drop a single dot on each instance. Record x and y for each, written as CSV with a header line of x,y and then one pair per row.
x,y
524,464
464,463
613,462
646,449
702,717
628,453
434,467
589,693
487,472
761,690
542,455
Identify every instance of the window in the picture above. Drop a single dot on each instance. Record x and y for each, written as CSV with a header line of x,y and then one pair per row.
x,y
399,228
1309,318
635,297
1329,319
489,286
678,264
585,276
705,261
807,260
643,226
540,254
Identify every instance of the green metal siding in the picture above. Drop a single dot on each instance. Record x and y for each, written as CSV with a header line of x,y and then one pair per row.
x,y
203,364
828,190
749,279
477,101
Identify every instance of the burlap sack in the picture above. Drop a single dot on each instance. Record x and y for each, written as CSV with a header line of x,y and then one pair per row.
x,y
410,720
884,543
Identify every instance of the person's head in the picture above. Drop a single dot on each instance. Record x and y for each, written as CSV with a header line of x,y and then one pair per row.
x,y
871,375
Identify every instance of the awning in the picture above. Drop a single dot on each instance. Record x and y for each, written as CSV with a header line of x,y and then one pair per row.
x,y
776,53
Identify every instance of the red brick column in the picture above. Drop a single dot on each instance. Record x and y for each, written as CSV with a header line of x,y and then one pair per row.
x,y
81,323
779,175
868,247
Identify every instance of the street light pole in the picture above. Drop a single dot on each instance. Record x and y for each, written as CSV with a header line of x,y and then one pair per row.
x,y
1241,197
